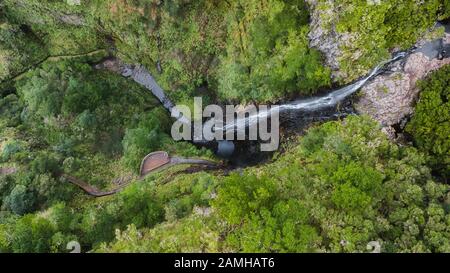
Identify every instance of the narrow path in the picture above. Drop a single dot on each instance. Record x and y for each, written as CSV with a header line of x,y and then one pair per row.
x,y
152,163
8,171
52,58
160,160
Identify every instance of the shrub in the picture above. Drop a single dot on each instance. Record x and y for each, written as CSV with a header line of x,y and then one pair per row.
x,y
430,124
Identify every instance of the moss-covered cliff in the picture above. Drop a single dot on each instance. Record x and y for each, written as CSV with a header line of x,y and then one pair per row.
x,y
237,50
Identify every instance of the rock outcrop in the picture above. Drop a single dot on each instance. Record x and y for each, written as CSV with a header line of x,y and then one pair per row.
x,y
339,46
354,37
390,98
323,34
8,170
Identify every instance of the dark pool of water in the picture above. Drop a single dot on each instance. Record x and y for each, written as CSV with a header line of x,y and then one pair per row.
x,y
248,153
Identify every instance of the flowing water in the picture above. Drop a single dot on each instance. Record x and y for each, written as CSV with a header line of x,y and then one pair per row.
x,y
315,104
295,116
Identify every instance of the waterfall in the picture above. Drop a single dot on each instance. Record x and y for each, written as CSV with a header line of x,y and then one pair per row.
x,y
310,104
143,77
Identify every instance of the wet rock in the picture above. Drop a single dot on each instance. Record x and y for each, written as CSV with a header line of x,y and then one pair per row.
x,y
390,98
112,64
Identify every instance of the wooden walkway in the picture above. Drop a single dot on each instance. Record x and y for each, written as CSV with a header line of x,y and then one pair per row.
x,y
91,190
153,162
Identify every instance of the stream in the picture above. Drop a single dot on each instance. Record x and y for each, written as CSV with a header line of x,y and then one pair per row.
x,y
295,116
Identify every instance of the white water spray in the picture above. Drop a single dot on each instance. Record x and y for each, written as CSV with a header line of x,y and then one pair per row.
x,y
310,104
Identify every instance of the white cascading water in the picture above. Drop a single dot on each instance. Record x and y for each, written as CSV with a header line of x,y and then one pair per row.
x,y
310,104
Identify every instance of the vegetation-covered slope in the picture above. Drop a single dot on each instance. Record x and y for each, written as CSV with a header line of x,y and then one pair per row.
x,y
238,50
356,35
430,125
335,189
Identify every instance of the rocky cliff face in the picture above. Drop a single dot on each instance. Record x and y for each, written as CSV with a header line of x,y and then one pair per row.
x,y
338,45
323,34
354,36
390,98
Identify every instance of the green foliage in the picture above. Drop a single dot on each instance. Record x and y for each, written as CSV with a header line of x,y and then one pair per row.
x,y
246,50
21,200
147,137
265,222
73,40
182,37
190,36
430,125
241,195
193,234
10,109
407,19
152,134
26,192
268,55
185,39
343,186
370,29
32,234
45,163
80,121
191,192
355,187
73,106
10,149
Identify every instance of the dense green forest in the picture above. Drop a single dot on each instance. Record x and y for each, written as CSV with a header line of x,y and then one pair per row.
x,y
334,188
